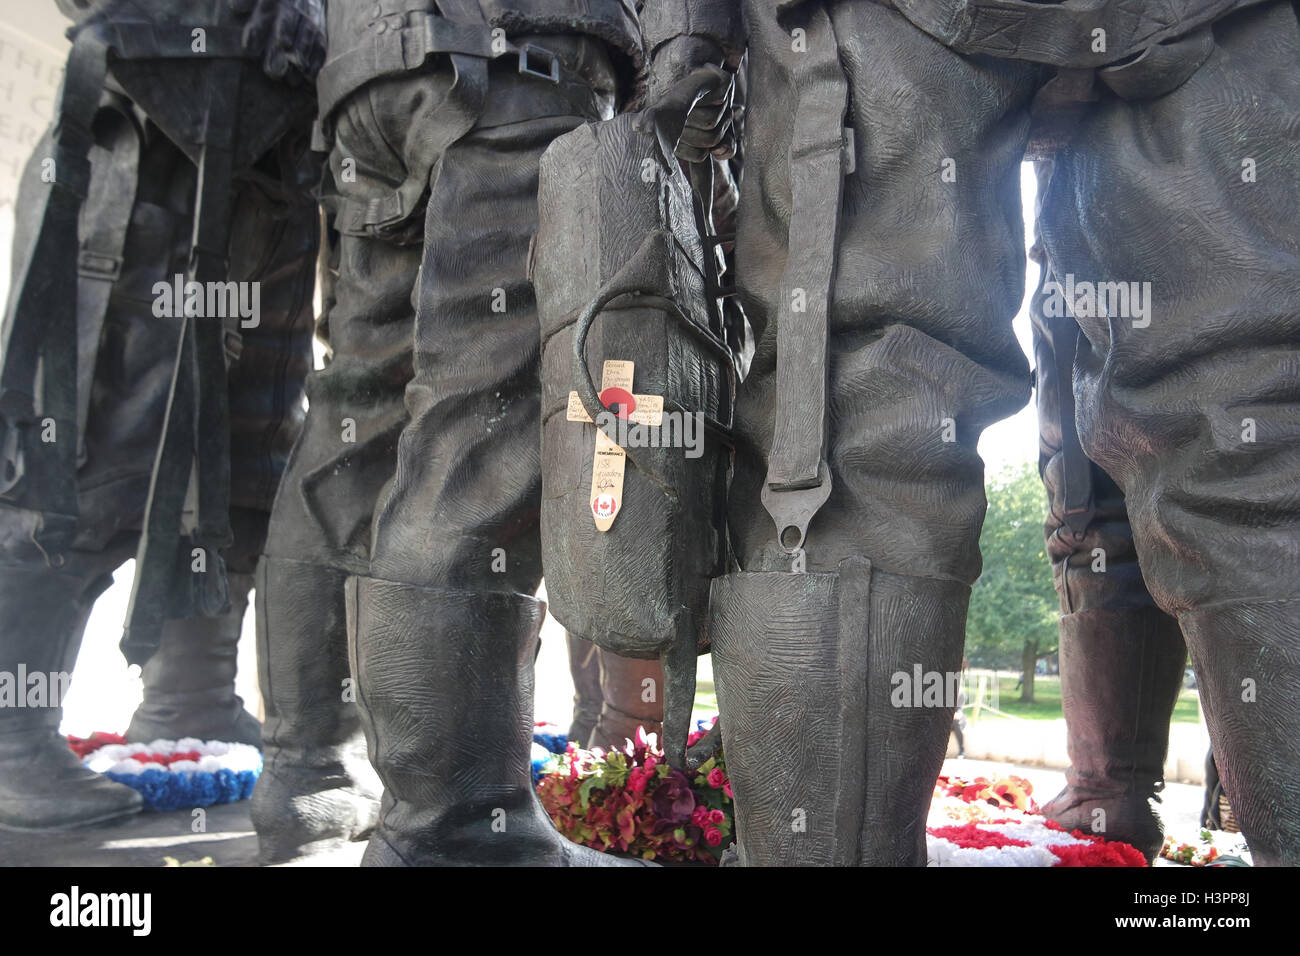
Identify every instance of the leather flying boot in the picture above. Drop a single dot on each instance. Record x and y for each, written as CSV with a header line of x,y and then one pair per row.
x,y
836,692
1249,677
445,684
1121,670
317,790
42,783
631,694
584,668
189,683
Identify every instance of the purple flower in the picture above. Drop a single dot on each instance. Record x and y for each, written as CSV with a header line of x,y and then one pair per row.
x,y
673,799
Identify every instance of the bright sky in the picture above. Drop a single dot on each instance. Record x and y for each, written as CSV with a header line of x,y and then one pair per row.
x,y
1016,439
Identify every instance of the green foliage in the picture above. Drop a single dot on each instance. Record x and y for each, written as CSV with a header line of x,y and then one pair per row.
x,y
1013,601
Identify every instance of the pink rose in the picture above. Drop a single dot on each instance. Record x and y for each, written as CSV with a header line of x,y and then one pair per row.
x,y
716,817
700,816
712,836
650,762
637,780
726,788
717,778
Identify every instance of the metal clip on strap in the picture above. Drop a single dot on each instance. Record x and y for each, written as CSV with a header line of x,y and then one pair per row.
x,y
798,478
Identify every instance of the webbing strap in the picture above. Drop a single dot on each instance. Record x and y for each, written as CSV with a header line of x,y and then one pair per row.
x,y
105,221
1063,34
41,329
395,52
798,480
1077,503
194,451
41,332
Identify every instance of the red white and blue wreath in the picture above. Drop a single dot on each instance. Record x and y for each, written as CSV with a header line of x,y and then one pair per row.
x,y
174,774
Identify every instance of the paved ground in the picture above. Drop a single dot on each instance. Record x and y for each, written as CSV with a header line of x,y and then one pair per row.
x,y
147,840
150,838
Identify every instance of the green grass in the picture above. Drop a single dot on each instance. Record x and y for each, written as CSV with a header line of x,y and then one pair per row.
x,y
1047,700
1046,705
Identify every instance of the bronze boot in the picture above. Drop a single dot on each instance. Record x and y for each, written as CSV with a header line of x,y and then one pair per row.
x,y
1121,670
42,783
632,696
445,684
584,668
317,790
189,682
1249,680
836,693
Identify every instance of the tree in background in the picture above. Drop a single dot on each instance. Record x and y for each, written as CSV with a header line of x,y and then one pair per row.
x,y
1013,608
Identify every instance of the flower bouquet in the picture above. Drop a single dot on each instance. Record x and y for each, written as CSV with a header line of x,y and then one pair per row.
x,y
630,801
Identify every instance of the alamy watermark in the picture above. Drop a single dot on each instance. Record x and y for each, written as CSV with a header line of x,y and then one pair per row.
x,y
34,688
675,430
209,300
77,909
922,688
1087,300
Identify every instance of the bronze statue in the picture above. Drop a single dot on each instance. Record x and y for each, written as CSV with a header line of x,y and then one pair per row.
x,y
880,260
94,337
414,487
1122,658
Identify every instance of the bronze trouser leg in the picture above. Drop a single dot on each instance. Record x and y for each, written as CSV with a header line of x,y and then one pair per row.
x,y
1193,407
316,787
443,623
922,358
189,682
1121,656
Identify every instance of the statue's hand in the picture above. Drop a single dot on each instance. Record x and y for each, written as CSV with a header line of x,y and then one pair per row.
x,y
289,34
693,92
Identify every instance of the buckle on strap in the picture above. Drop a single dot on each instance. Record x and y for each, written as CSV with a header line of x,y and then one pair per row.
x,y
99,265
539,62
